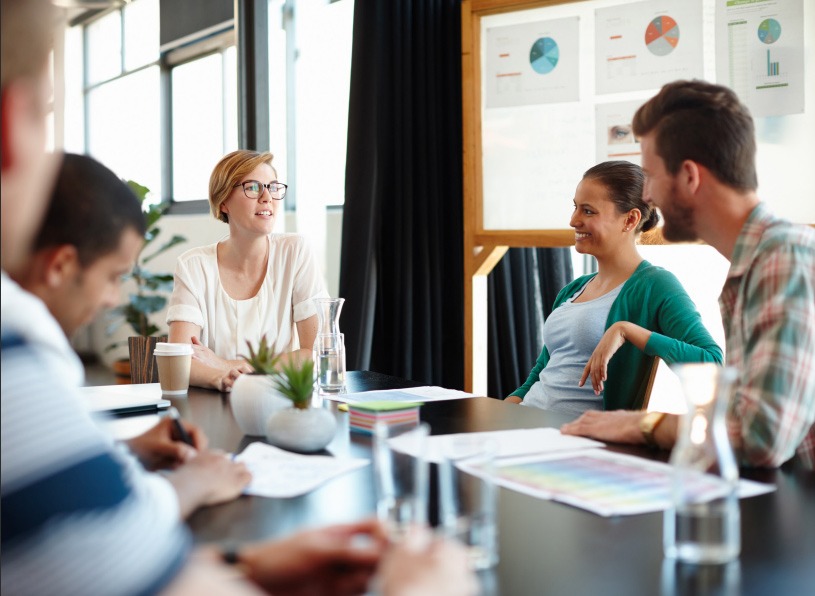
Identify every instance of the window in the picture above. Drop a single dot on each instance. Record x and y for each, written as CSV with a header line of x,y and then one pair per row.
x,y
205,120
121,87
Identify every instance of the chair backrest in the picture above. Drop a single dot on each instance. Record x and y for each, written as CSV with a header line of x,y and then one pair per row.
x,y
143,367
650,385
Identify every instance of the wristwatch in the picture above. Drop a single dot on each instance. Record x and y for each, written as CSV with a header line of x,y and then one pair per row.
x,y
648,426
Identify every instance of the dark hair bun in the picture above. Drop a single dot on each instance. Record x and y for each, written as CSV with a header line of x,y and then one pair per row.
x,y
651,222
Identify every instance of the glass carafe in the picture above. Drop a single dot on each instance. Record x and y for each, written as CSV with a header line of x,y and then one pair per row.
x,y
328,315
329,347
703,526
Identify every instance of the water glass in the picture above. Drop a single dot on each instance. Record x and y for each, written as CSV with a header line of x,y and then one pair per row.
x,y
329,363
468,497
400,467
703,526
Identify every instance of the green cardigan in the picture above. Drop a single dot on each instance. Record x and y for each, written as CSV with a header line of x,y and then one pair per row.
x,y
653,299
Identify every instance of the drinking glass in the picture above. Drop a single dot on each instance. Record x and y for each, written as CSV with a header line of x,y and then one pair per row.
x,y
329,363
468,497
400,467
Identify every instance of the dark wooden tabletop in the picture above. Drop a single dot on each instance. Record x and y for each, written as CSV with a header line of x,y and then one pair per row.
x,y
545,547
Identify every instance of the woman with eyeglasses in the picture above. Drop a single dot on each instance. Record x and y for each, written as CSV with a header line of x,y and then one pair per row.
x,y
251,283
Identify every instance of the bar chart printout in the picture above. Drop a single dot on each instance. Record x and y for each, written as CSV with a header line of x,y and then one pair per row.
x,y
772,67
760,54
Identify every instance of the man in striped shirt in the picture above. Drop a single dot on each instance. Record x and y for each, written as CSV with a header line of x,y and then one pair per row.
x,y
698,155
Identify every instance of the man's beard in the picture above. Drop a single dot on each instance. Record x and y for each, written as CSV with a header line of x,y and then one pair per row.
x,y
679,226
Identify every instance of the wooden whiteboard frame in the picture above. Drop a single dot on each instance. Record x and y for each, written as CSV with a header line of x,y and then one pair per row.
x,y
483,249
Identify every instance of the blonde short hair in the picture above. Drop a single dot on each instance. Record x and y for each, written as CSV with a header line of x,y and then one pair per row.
x,y
228,172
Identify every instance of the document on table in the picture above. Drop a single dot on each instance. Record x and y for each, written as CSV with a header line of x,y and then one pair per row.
x,y
602,482
509,443
409,394
280,474
124,398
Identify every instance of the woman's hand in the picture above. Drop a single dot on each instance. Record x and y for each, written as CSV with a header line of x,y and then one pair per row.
x,y
612,340
224,380
513,399
206,356
223,372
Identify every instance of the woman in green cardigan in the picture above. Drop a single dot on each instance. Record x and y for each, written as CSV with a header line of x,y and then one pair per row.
x,y
606,328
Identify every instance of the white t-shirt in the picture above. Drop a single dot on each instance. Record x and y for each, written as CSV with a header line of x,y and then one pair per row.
x,y
293,280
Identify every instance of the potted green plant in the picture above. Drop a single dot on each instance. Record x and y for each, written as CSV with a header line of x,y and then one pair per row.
x,y
254,397
150,295
299,427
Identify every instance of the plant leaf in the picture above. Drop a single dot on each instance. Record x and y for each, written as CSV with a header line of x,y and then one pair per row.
x,y
176,239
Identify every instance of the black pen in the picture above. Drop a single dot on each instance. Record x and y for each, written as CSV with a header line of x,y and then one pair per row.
x,y
179,428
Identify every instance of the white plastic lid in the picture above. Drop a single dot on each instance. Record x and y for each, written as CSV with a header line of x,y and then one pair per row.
x,y
168,349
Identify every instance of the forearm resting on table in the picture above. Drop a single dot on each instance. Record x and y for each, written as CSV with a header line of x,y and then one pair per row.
x,y
210,377
621,426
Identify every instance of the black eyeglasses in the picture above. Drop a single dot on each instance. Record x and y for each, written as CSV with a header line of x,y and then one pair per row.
x,y
254,189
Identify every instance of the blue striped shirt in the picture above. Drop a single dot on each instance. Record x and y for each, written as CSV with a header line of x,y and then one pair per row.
x,y
77,516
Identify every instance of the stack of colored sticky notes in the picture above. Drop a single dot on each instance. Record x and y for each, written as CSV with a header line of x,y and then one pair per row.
x,y
364,416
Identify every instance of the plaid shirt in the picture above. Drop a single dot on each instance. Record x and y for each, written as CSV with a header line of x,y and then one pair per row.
x,y
768,309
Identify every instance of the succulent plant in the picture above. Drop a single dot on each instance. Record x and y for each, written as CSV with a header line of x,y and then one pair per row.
x,y
295,380
264,360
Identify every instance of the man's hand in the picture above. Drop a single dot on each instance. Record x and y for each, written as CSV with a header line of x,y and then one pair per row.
x,y
421,565
336,560
208,479
618,426
162,448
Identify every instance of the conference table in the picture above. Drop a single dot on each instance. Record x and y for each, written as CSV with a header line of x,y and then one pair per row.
x,y
545,547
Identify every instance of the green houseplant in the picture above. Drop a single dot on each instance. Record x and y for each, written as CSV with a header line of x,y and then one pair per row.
x,y
254,397
299,427
151,288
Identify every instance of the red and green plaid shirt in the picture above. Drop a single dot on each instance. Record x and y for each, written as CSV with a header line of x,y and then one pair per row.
x,y
768,309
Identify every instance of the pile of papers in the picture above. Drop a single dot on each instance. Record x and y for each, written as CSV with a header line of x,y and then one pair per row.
x,y
363,417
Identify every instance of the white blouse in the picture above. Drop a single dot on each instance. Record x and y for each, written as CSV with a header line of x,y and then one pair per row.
x,y
293,279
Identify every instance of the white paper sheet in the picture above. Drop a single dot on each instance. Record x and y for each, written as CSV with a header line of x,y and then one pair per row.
x,y
509,443
280,474
411,394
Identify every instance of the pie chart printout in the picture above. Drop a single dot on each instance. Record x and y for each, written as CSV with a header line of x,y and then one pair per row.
x,y
662,36
769,31
544,55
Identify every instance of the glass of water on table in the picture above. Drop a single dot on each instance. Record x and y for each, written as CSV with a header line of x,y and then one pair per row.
x,y
329,363
401,474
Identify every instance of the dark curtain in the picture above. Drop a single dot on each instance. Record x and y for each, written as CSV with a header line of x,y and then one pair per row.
x,y
521,290
401,264
401,269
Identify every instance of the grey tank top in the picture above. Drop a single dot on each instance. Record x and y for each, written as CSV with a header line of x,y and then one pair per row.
x,y
571,333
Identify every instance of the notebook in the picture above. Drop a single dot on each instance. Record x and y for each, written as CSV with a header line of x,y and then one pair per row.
x,y
124,399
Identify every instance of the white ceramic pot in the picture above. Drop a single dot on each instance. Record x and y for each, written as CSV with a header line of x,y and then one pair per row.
x,y
305,431
253,400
